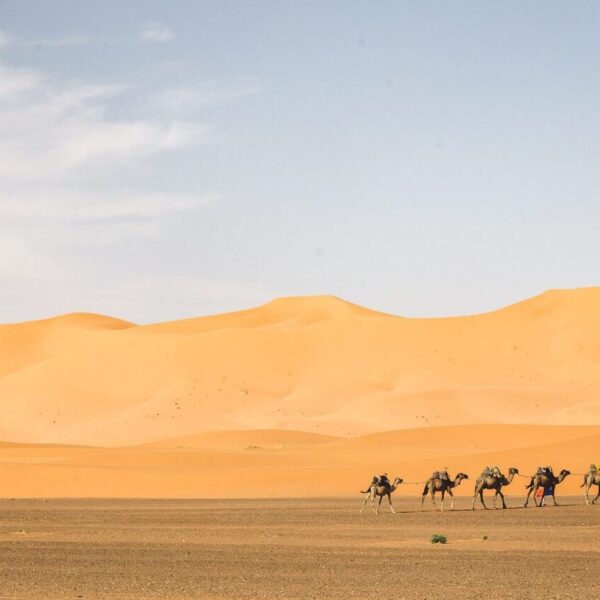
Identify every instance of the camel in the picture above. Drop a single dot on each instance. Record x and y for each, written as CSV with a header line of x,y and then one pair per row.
x,y
592,477
435,484
493,482
381,490
545,481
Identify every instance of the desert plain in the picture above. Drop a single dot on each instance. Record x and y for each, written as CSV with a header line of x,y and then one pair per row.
x,y
293,549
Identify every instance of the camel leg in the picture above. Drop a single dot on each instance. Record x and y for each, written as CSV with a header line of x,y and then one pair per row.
x,y
365,502
554,497
597,496
379,504
442,501
586,493
452,496
528,496
499,493
390,501
433,497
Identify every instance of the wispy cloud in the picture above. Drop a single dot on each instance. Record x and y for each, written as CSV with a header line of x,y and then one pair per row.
x,y
157,33
81,185
62,156
51,130
190,99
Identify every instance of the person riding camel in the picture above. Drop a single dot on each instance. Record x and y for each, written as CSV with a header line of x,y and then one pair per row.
x,y
545,471
383,479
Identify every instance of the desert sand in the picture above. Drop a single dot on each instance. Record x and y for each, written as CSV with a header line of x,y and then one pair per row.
x,y
303,396
292,549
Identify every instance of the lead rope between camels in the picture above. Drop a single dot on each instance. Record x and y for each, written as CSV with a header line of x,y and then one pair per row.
x,y
531,476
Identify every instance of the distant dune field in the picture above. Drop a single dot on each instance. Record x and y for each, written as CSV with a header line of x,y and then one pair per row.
x,y
301,396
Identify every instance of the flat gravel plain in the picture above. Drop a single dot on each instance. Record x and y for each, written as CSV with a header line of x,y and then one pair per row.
x,y
304,548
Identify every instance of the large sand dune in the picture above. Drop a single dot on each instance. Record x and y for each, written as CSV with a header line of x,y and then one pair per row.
x,y
308,386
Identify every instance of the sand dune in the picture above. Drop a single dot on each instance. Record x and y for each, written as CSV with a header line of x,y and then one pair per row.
x,y
314,364
308,466
309,378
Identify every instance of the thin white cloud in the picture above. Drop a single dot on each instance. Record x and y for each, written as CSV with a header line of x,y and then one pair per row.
x,y
157,33
14,82
61,158
74,195
50,130
189,99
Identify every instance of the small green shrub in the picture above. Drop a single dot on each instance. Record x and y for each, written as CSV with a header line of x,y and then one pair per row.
x,y
438,538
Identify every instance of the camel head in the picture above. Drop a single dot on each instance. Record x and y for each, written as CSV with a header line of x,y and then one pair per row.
x,y
564,473
398,481
513,471
461,476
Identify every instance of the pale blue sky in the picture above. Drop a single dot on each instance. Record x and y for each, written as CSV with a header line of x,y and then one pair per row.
x,y
169,159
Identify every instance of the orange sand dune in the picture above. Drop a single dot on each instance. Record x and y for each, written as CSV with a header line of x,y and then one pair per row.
x,y
315,364
313,389
312,467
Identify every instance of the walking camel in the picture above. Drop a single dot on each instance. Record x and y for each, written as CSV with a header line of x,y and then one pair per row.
x,y
436,484
381,490
493,482
592,477
545,481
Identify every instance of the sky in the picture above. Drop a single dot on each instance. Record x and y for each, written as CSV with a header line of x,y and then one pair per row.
x,y
161,160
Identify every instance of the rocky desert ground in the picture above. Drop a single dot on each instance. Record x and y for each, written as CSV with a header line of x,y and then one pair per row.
x,y
294,549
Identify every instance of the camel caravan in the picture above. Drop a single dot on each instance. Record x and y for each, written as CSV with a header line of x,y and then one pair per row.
x,y
541,485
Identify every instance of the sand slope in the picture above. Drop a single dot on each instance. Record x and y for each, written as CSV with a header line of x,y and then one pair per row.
x,y
304,388
293,464
315,364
